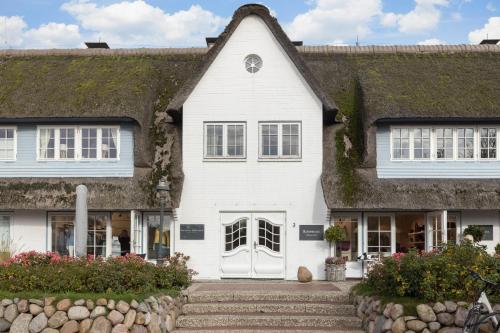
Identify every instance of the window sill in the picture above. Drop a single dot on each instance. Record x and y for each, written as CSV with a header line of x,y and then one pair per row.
x,y
279,159
225,159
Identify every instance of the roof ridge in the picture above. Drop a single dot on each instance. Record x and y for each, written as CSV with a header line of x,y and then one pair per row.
x,y
103,52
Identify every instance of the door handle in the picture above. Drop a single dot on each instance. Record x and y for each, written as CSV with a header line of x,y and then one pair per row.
x,y
255,245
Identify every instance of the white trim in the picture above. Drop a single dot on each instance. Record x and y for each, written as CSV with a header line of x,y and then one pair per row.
x,y
14,141
78,143
225,155
280,156
392,216
433,145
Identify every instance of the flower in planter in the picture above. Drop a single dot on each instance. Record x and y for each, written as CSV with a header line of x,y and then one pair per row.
x,y
335,261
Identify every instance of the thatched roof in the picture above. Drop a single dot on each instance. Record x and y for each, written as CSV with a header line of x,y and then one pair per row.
x,y
390,82
175,106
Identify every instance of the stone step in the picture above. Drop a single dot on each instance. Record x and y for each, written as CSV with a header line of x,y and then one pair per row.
x,y
269,307
249,296
264,330
256,320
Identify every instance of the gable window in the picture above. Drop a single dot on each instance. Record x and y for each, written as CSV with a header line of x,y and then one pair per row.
x,y
401,143
465,143
78,143
444,143
7,143
224,140
422,143
488,143
280,140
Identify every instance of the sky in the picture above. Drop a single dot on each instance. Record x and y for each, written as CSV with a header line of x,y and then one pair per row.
x,y
186,23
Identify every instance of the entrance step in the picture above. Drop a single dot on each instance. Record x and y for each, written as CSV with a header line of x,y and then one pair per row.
x,y
268,307
268,320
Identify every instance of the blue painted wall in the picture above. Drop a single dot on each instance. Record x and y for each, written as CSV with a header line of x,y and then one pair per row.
x,y
26,164
428,169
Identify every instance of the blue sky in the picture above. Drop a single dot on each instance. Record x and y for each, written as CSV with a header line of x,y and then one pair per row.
x,y
179,23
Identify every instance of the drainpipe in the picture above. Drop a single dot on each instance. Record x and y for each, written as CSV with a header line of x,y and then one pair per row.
x,y
81,221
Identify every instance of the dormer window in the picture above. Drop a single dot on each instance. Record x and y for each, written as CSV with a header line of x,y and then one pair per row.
x,y
78,143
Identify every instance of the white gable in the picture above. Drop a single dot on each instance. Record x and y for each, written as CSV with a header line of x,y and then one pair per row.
x,y
278,84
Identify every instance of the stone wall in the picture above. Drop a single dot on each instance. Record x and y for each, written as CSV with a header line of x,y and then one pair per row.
x,y
446,317
153,315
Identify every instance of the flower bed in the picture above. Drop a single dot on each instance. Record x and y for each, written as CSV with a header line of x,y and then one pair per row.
x,y
51,273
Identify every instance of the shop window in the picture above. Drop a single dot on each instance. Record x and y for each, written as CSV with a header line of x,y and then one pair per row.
x,y
347,248
63,240
379,235
158,248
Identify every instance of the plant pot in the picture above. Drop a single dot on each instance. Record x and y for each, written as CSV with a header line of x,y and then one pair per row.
x,y
335,272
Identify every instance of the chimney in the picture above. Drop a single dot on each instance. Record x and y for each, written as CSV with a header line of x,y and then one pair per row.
x,y
490,41
211,41
97,45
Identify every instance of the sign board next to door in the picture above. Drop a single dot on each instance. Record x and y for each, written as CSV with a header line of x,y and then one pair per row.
x,y
311,232
192,231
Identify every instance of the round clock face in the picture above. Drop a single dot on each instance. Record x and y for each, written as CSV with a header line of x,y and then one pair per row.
x,y
253,63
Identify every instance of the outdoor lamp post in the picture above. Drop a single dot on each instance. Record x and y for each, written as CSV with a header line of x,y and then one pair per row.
x,y
162,189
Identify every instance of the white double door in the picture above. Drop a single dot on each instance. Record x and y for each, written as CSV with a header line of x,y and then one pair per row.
x,y
252,245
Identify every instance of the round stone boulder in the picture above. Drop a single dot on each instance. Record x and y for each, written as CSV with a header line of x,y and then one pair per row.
x,y
439,307
85,325
98,311
434,326
78,313
416,325
10,313
425,313
23,306
399,325
21,323
38,323
115,317
70,327
445,318
122,306
63,305
120,328
460,316
101,325
304,275
397,311
58,319
35,309
4,325
49,310
450,306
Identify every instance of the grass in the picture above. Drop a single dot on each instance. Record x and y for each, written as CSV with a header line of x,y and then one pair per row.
x,y
92,296
409,303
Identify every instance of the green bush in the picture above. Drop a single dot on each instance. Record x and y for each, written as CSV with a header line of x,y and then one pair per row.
x,y
335,233
49,272
434,276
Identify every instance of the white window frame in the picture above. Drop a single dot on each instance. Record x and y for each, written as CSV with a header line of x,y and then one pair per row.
x,y
280,155
225,155
433,156
10,216
78,143
15,143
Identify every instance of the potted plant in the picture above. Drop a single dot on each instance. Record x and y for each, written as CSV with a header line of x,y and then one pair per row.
x,y
335,266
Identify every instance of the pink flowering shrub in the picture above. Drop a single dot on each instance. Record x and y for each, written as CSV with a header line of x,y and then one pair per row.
x,y
50,272
435,275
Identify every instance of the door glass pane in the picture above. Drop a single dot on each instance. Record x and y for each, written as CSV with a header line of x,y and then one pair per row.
x,y
5,241
347,248
452,228
379,235
236,235
96,234
270,235
137,232
154,246
63,241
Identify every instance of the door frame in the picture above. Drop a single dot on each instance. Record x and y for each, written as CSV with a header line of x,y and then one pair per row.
x,y
443,214
253,216
354,267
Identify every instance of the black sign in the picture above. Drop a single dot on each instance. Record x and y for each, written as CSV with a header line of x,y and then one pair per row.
x,y
311,233
488,232
193,231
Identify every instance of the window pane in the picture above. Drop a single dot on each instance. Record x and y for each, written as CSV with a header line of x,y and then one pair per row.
x,y
109,143
465,143
348,247
47,143
235,140
63,240
488,142
7,144
214,140
290,140
154,244
269,139
67,143
444,143
89,143
5,240
401,143
421,143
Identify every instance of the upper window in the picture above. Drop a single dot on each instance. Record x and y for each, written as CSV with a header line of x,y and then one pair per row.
x,y
253,63
8,143
78,142
280,140
225,140
444,143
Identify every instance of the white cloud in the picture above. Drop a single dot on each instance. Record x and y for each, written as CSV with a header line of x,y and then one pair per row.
x,y
424,17
456,16
432,41
14,32
335,20
11,31
136,23
491,7
490,30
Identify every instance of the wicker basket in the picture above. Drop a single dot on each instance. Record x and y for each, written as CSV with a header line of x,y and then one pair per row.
x,y
335,272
